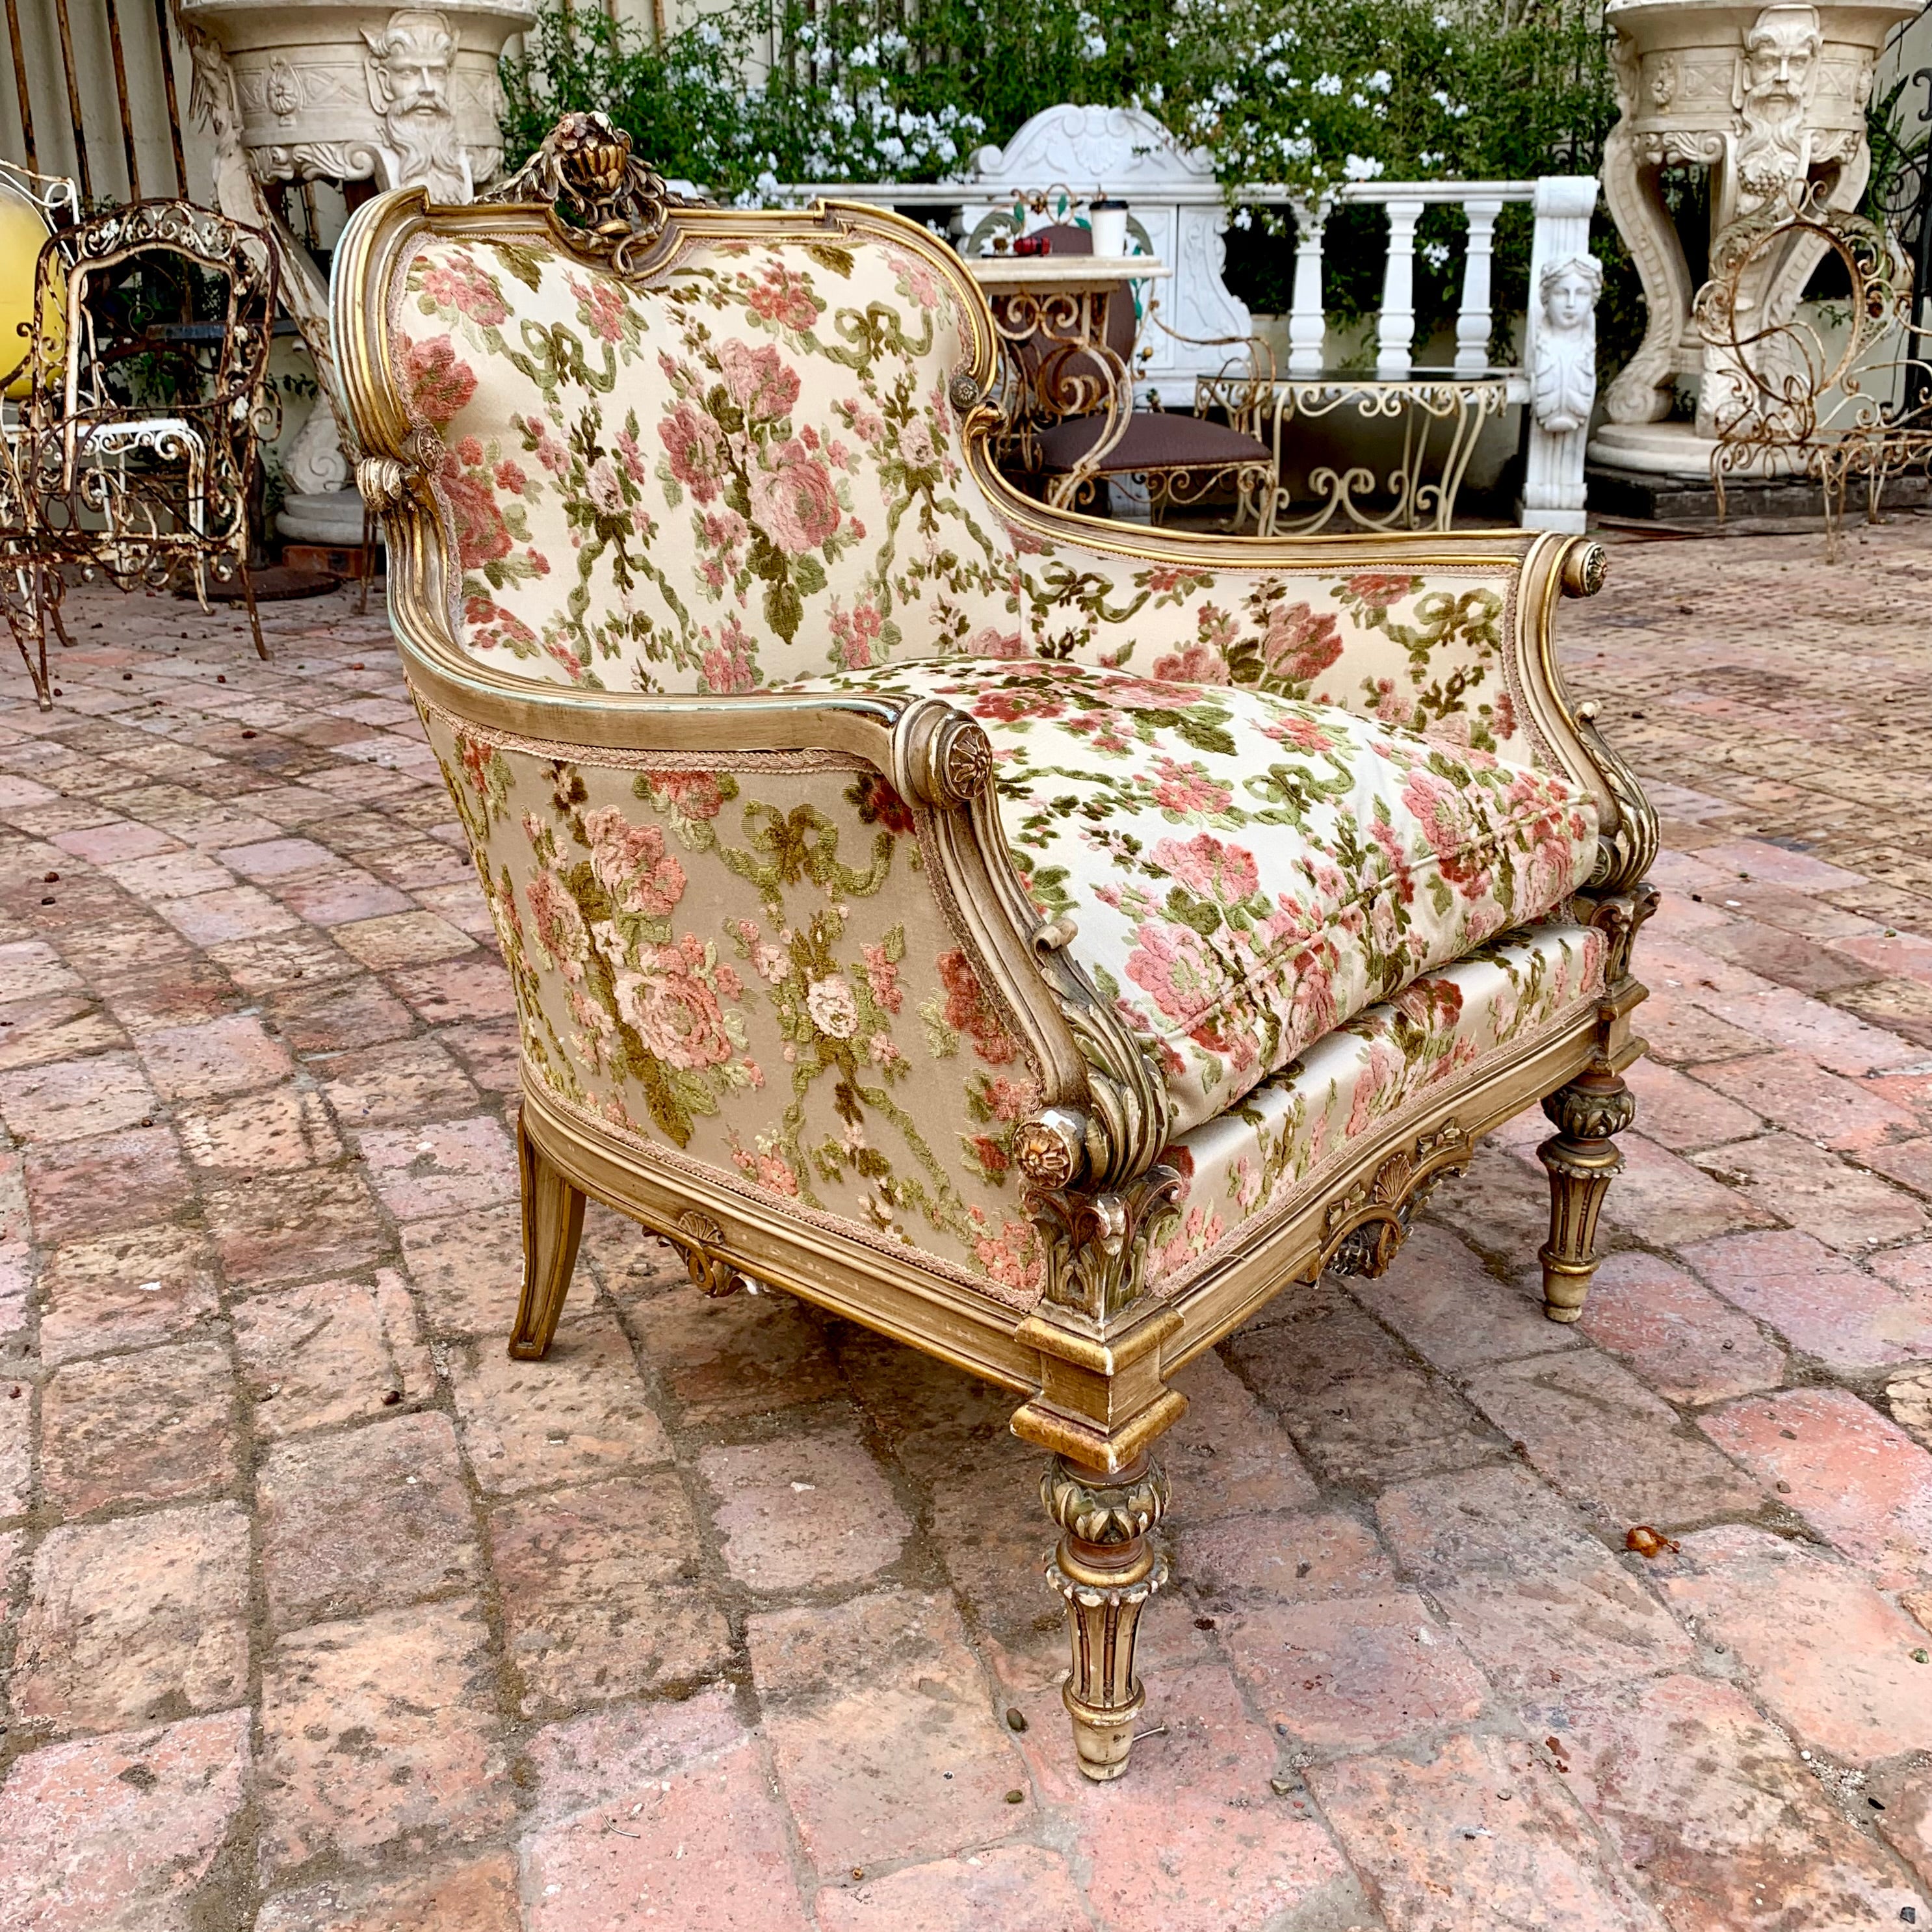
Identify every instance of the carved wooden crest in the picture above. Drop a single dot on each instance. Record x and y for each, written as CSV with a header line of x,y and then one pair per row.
x,y
1364,1230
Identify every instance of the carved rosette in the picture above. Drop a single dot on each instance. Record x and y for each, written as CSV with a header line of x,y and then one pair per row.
x,y
1104,1570
1364,1230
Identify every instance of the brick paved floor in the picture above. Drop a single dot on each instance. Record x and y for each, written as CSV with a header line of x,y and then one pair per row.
x,y
318,1615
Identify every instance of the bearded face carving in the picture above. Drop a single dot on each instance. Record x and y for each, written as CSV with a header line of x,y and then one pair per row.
x,y
1775,76
408,73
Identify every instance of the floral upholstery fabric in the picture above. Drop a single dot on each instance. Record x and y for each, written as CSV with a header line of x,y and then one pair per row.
x,y
1247,871
741,965
748,472
1422,649
1286,1138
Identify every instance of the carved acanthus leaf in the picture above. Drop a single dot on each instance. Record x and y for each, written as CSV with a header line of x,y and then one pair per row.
x,y
1363,1231
586,172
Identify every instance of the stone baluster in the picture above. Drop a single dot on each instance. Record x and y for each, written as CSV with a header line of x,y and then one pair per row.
x,y
1395,327
1307,323
1473,322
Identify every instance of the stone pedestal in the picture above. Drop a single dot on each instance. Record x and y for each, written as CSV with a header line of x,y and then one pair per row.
x,y
1770,99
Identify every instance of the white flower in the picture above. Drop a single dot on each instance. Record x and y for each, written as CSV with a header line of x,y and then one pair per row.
x,y
1328,83
1380,81
1435,253
770,963
1363,167
833,1008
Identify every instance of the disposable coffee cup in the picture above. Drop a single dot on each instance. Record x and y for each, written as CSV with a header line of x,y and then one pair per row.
x,y
1109,221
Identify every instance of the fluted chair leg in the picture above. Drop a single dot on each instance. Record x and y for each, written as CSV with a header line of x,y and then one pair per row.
x,y
1582,1160
553,1226
1106,1568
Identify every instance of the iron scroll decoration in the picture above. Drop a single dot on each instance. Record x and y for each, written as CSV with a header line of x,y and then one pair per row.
x,y
586,173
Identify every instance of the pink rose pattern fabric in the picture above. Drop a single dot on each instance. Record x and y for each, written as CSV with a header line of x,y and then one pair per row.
x,y
1289,1137
745,966
1247,871
751,472
748,472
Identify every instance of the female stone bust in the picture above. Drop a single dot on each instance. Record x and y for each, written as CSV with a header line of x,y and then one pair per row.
x,y
1563,357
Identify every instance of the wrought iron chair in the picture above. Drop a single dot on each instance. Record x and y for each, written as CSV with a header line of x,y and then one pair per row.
x,y
1786,398
1078,427
136,453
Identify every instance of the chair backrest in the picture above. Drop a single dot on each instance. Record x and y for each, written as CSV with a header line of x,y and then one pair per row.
x,y
726,455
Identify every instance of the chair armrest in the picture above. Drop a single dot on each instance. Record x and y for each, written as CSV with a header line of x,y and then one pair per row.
x,y
1448,634
1099,1110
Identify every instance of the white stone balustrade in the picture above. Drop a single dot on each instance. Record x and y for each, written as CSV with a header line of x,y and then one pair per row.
x,y
1179,214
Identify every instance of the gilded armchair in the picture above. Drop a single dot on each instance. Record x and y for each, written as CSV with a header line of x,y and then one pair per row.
x,y
1039,939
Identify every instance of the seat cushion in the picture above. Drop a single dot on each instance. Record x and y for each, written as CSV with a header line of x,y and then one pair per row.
x,y
1247,871
1289,1138
1153,439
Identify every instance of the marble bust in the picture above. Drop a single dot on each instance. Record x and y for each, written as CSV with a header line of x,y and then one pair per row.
x,y
1563,358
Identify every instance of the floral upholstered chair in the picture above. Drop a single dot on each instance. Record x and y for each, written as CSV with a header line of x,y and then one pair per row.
x,y
1039,940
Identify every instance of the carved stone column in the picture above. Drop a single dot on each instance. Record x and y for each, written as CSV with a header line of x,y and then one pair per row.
x,y
1770,99
1582,1160
1106,1568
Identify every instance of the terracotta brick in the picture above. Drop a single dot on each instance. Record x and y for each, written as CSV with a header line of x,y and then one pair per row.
x,y
345,1014
1817,1191
1354,1671
1905,1823
1306,1557
332,1352
1540,1603
1442,1300
474,1895
106,1184
115,838
154,1427
599,1595
443,1167
488,1051
1681,1340
76,1099
1681,1112
1358,1409
886,1745
1858,1479
1714,1809
804,1513
1608,1443
402,939
402,1082
1820,1302
1661,1197
380,1736
474,987
136,1620
1226,1456
1792,1090
1500,1206
269,963
288,1227
581,1412
17,1444
337,894
242,912
1835,1039
1017,1888
224,1056
658,1815
58,1027
365,1521
1679,1032
125,1290
469,1270
1474,1830
131,1832
736,1355
281,1131
1826,1654
275,858
175,874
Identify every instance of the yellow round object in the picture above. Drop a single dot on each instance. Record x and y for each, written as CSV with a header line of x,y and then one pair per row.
x,y
23,230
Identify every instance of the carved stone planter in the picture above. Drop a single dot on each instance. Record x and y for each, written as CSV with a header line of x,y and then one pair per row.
x,y
343,91
1770,99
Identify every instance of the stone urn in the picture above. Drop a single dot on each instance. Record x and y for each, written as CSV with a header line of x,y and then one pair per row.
x,y
1771,100
343,91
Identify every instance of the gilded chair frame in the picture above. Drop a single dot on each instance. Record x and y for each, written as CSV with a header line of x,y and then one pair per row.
x,y
1092,1362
